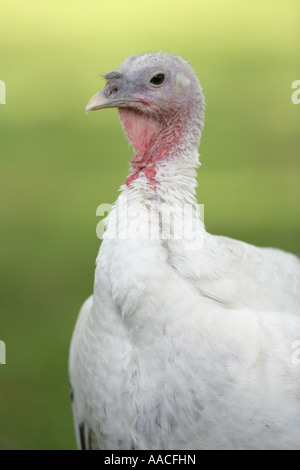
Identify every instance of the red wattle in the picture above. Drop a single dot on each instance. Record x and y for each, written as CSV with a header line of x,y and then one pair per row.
x,y
152,139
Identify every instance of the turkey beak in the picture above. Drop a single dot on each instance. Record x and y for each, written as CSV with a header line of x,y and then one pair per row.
x,y
99,101
114,95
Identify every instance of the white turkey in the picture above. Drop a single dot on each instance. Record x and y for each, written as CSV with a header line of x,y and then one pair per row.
x,y
189,340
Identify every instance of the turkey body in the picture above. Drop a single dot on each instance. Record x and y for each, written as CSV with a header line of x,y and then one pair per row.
x,y
188,352
185,346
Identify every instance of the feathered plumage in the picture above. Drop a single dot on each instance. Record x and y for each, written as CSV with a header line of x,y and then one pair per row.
x,y
187,341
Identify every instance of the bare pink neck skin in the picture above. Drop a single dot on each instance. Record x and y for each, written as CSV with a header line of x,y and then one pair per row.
x,y
153,141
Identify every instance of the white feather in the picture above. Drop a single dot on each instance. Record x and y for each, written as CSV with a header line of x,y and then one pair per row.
x,y
181,348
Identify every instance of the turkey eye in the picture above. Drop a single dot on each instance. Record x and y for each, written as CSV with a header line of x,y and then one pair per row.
x,y
158,79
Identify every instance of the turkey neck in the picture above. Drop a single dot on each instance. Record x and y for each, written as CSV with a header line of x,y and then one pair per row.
x,y
149,219
161,142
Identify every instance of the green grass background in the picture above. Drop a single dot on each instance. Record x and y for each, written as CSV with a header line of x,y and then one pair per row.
x,y
58,165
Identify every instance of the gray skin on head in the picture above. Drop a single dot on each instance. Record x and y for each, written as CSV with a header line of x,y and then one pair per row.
x,y
180,89
131,87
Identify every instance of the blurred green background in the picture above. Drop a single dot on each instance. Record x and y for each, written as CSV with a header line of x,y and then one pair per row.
x,y
58,165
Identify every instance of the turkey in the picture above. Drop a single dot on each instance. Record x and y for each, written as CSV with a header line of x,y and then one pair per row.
x,y
189,340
